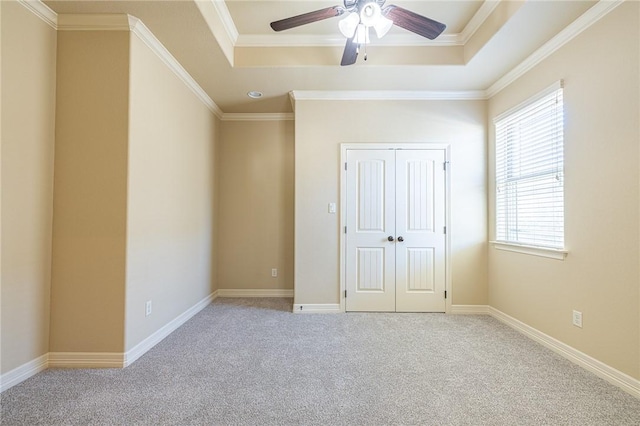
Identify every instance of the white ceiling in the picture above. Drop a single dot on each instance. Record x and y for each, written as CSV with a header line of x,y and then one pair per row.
x,y
229,48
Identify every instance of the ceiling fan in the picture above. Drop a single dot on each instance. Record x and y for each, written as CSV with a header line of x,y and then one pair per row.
x,y
361,16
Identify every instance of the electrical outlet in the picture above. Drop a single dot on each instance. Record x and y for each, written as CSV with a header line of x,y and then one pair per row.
x,y
577,318
147,308
274,272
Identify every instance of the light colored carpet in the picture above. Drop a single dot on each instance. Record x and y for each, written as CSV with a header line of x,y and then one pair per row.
x,y
252,362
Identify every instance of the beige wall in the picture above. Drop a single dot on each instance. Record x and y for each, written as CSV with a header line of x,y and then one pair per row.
x,y
171,199
133,213
321,126
28,114
600,276
90,196
256,205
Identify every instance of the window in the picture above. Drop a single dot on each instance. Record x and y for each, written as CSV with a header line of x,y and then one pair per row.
x,y
530,173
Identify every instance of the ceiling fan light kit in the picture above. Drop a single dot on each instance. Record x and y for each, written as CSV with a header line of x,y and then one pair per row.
x,y
348,25
362,15
383,26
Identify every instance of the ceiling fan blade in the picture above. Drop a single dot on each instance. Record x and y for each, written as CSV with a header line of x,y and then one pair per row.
x,y
307,18
413,22
350,53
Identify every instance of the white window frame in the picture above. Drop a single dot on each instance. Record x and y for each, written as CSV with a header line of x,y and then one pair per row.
x,y
519,170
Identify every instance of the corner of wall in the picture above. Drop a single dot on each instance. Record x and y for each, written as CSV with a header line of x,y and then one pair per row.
x,y
90,197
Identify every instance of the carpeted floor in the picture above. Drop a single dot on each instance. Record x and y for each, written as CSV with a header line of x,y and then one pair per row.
x,y
253,362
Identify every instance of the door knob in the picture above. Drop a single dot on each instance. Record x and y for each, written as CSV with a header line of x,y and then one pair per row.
x,y
400,239
390,238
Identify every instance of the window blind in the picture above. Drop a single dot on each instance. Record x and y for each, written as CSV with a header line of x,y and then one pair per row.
x,y
530,172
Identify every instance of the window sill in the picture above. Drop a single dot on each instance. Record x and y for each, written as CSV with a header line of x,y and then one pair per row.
x,y
550,253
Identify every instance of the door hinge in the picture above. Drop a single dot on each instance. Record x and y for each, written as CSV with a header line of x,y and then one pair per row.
x,y
345,294
345,166
445,229
444,166
445,294
345,229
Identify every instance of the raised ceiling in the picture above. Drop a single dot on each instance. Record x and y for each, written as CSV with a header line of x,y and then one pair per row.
x,y
229,48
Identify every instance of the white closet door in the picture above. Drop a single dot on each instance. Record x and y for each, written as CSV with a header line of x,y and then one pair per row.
x,y
395,239
370,212
420,233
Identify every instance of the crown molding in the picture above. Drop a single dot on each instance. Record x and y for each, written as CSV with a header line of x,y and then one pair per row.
x,y
318,40
144,34
483,13
217,17
94,22
288,40
227,21
121,22
257,116
42,11
388,95
117,22
590,17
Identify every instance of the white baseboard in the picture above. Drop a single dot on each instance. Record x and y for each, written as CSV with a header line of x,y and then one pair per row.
x,y
307,308
22,373
86,359
99,359
470,309
233,292
600,369
141,348
120,360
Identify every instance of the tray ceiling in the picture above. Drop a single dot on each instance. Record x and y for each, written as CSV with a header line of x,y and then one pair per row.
x,y
229,48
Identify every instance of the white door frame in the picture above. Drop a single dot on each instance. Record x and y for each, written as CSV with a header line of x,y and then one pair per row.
x,y
343,208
